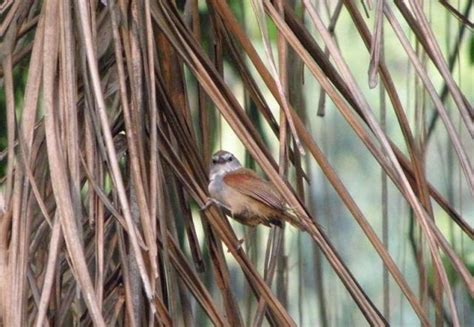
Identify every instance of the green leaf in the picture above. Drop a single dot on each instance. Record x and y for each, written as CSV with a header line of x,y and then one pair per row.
x,y
471,50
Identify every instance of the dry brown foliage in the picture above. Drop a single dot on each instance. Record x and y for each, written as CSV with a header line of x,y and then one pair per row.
x,y
105,162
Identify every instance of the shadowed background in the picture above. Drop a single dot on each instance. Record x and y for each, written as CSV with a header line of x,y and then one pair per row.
x,y
110,112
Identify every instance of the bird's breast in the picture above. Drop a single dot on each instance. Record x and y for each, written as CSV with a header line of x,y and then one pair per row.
x,y
216,188
228,196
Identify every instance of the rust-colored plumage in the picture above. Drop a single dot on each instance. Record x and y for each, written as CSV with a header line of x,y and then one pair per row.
x,y
250,199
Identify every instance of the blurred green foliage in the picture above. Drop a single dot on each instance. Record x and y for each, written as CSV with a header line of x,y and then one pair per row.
x,y
20,76
471,50
240,9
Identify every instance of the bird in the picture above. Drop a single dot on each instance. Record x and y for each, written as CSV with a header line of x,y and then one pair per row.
x,y
248,198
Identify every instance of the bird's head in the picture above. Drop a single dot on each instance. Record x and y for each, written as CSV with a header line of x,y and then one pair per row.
x,y
222,163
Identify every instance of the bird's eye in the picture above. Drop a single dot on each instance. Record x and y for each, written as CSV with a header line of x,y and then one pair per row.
x,y
214,161
230,158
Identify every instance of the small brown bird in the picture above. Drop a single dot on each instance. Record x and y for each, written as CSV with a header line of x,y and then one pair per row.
x,y
249,199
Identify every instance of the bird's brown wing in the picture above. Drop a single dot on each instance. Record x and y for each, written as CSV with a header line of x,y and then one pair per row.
x,y
250,184
247,182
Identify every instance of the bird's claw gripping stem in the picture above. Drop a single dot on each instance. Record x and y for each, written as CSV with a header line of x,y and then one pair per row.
x,y
238,247
211,201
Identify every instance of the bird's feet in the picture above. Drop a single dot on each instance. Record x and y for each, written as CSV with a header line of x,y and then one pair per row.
x,y
211,201
208,203
238,247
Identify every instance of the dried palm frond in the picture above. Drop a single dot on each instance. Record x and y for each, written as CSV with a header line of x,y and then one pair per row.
x,y
110,112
